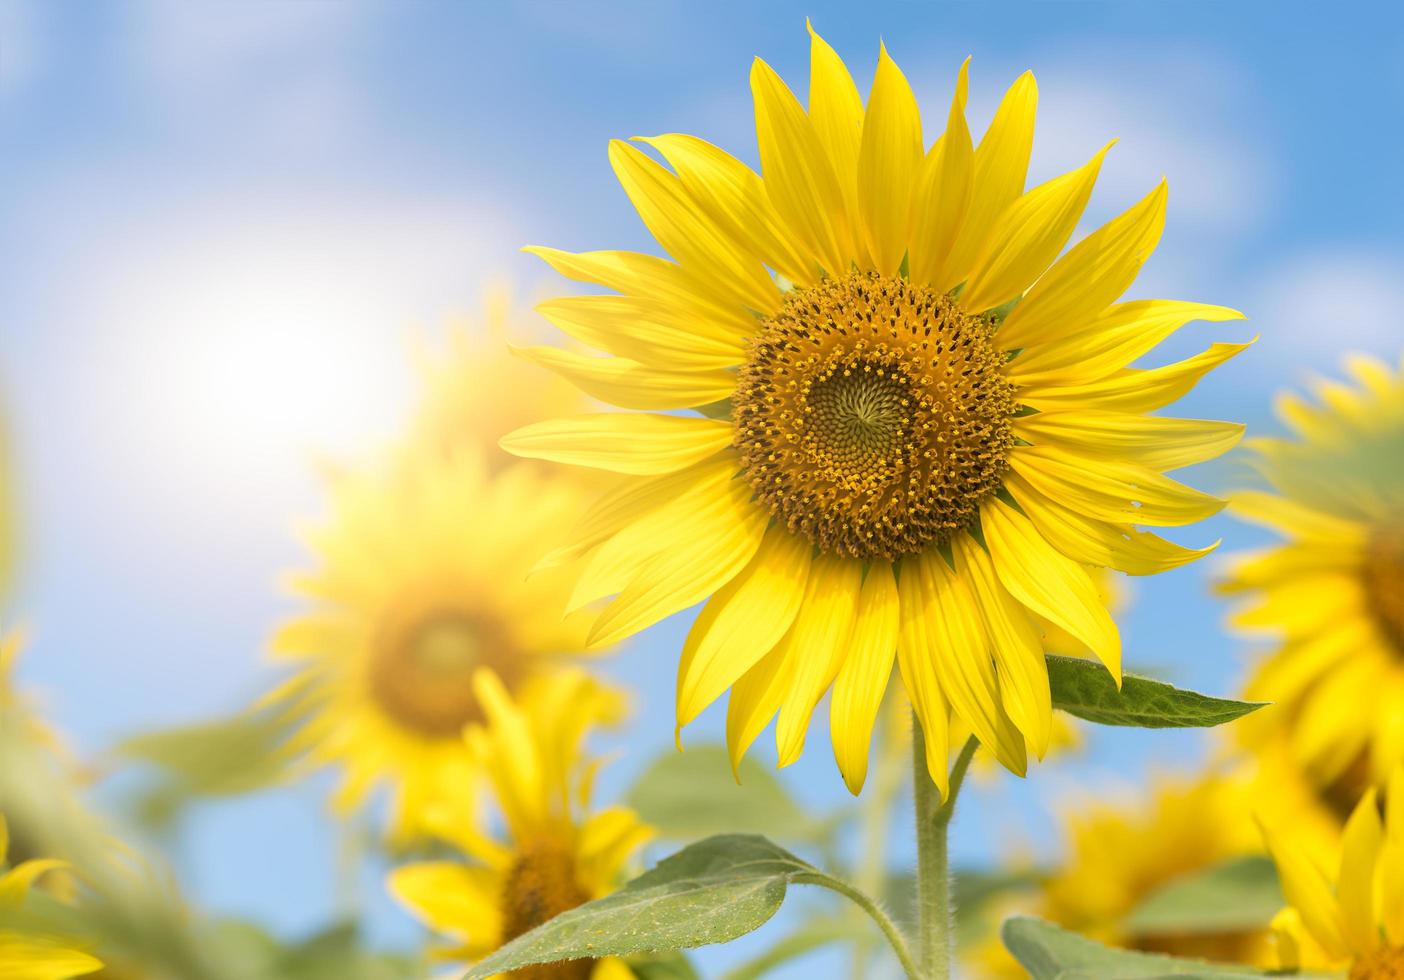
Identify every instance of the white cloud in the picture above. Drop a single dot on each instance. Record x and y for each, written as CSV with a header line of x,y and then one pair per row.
x,y
261,72
1316,305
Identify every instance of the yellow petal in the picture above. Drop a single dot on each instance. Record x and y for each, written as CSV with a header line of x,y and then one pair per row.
x,y
962,660
1307,891
916,653
942,198
706,497
754,700
1355,884
681,227
815,647
1111,341
648,277
452,898
1089,278
1154,442
1054,586
743,621
645,331
733,196
836,112
643,444
1132,390
862,680
798,176
1093,542
15,883
630,384
887,165
1000,168
1018,651
1028,236
1110,490
28,957
720,544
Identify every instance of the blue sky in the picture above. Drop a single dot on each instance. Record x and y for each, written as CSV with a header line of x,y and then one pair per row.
x,y
221,223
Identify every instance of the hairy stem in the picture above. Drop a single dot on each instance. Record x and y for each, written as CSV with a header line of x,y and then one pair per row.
x,y
935,909
875,912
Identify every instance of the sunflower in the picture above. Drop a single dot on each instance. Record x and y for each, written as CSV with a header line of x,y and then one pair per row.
x,y
423,580
877,416
1359,924
29,951
556,854
473,391
1332,593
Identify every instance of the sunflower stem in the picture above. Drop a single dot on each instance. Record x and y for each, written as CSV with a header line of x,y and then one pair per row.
x,y
935,907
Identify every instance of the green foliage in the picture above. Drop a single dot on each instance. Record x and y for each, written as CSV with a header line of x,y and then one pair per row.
x,y
1051,953
1238,895
241,754
336,953
662,966
691,794
1086,690
710,892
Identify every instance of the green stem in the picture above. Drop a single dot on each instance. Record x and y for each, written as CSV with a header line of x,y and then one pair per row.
x,y
875,912
936,912
875,814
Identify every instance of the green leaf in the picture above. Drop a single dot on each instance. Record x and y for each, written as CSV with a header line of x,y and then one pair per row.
x,y
662,966
710,892
219,758
1087,690
1236,896
1051,953
691,794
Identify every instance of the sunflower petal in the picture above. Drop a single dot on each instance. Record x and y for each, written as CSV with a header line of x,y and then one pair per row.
x,y
630,384
1090,277
1001,166
862,680
743,621
816,644
916,652
644,444
1110,490
887,165
1018,651
677,221
943,197
1054,586
1355,884
836,111
1152,441
1028,236
1132,390
644,331
718,547
798,176
754,700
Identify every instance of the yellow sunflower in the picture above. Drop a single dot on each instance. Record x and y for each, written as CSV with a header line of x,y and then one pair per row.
x,y
556,855
878,415
423,579
474,390
1332,593
28,952
1359,923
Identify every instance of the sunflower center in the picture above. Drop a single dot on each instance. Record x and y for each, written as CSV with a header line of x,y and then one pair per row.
x,y
873,415
1384,584
540,886
422,670
1385,963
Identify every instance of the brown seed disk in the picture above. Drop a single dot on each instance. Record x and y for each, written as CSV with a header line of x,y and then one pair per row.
x,y
1385,963
1383,574
421,670
540,886
873,415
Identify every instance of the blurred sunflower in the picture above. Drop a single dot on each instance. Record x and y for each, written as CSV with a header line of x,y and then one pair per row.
x,y
423,581
1333,590
27,951
1117,856
912,424
1357,925
557,854
474,390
